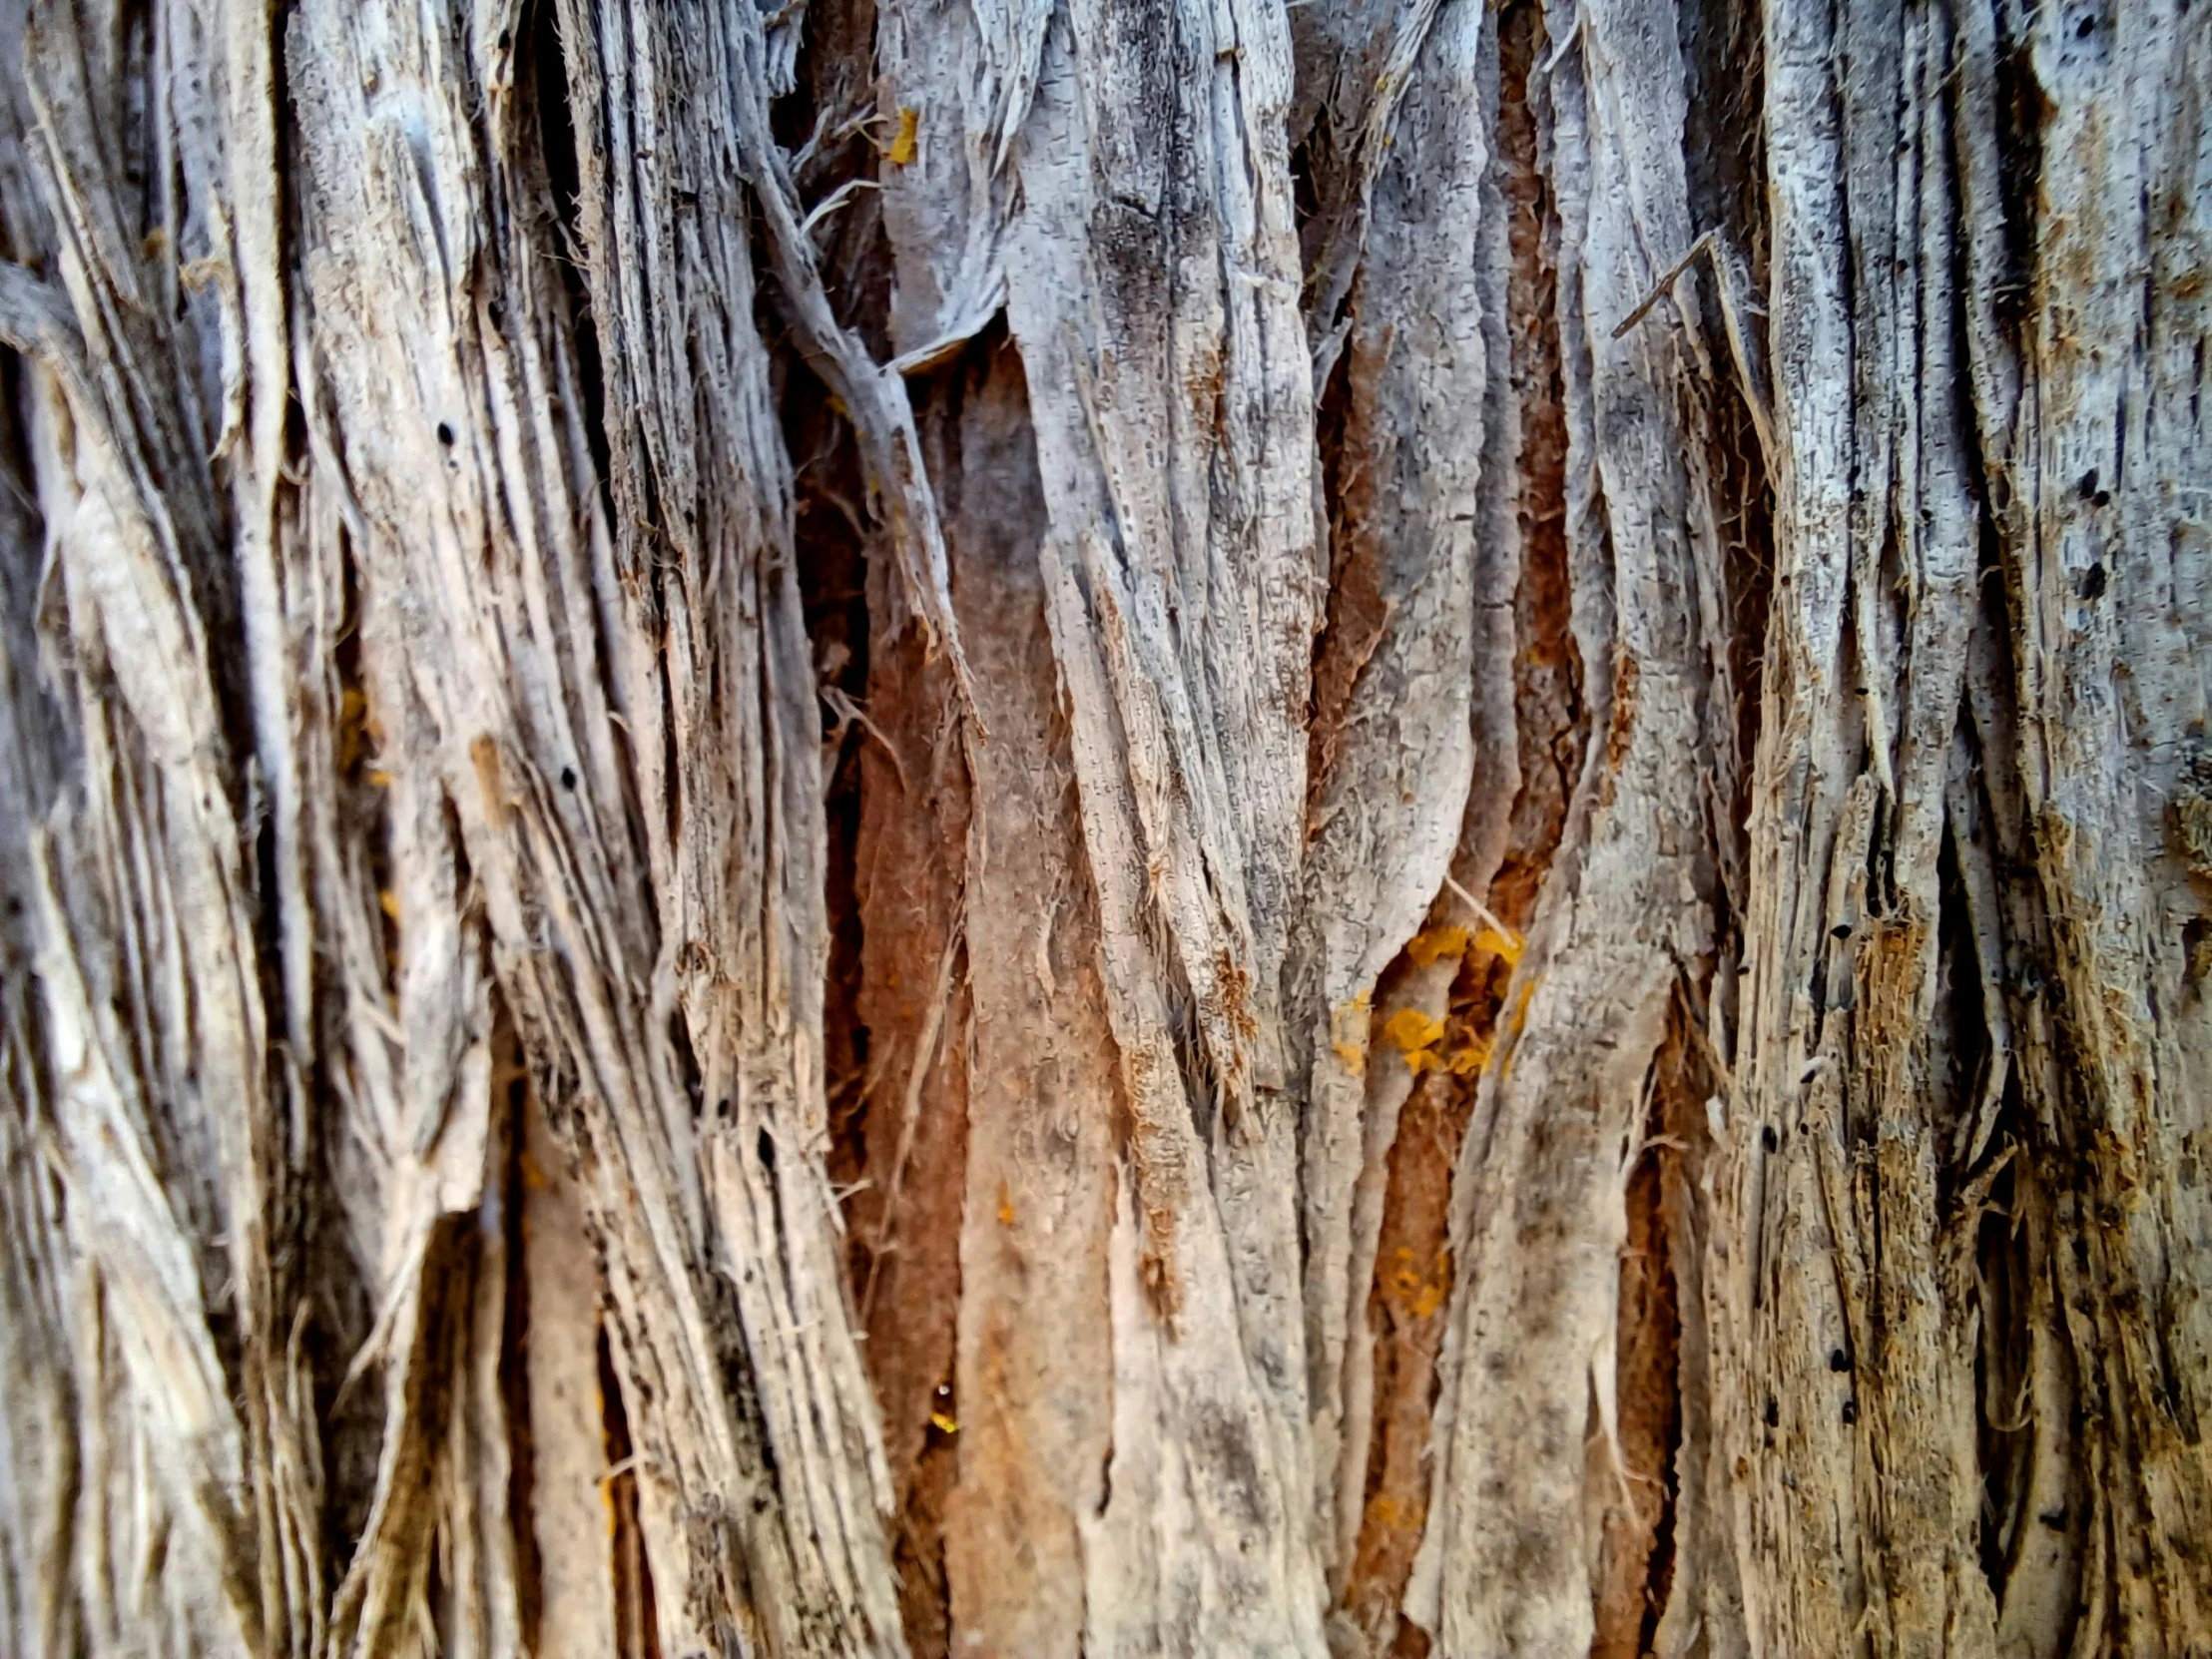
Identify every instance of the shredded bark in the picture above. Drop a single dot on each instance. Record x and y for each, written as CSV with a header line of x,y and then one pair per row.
x,y
1112,830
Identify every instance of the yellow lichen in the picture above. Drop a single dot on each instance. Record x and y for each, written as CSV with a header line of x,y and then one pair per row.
x,y
1415,1292
1468,1060
906,145
1412,1029
1349,1033
1505,947
1431,945
1416,1036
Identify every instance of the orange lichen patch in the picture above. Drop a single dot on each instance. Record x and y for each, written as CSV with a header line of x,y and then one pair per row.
x,y
1469,1059
353,735
1005,1206
1507,946
1431,945
906,145
1416,1036
1410,1291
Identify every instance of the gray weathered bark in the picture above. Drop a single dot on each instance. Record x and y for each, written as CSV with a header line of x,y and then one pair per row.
x,y
940,826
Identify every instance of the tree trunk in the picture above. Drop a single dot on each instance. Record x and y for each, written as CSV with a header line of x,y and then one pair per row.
x,y
953,827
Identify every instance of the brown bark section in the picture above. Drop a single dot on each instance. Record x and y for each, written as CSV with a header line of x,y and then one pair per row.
x,y
1033,1370
905,1130
980,1230
1635,1461
1414,1266
539,777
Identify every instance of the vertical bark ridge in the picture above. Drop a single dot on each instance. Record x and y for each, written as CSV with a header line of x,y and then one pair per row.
x,y
1907,1030
1485,930
171,1141
1395,742
1540,1206
1170,389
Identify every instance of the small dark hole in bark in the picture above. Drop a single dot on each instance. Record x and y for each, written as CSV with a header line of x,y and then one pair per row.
x,y
2055,1519
2088,484
2085,28
1851,1411
568,777
766,1147
2103,498
1768,1139
1841,931
1839,1360
1774,1412
446,434
2092,582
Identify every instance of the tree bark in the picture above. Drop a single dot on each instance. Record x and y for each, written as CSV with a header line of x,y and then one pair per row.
x,y
940,826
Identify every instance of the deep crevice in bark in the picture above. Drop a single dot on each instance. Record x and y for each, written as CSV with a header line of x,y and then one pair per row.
x,y
1550,714
1724,157
2066,1221
1636,1559
637,1629
543,69
514,1337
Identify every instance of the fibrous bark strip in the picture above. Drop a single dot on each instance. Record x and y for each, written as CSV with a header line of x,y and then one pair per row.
x,y
1119,827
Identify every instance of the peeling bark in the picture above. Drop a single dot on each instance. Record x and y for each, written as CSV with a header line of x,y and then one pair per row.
x,y
1109,829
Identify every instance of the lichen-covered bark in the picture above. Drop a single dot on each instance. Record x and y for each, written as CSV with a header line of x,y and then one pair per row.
x,y
1117,828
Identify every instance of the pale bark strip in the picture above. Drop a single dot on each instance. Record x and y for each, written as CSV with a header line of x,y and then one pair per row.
x,y
1865,1152
1770,1225
672,114
955,84
1035,1379
1153,289
2107,559
341,751
570,1505
1538,1216
441,391
168,1138
1393,741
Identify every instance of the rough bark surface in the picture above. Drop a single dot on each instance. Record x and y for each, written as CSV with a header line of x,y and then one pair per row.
x,y
1113,827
